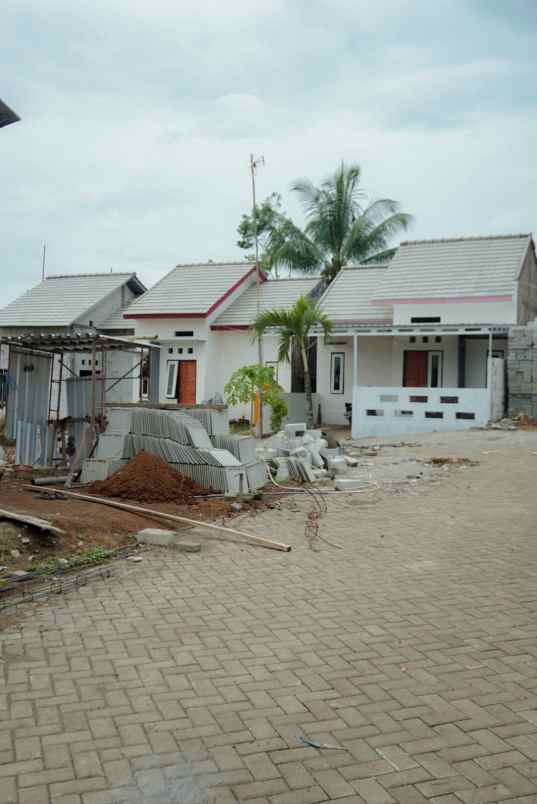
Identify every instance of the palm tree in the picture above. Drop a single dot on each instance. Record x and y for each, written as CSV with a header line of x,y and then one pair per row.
x,y
294,326
340,226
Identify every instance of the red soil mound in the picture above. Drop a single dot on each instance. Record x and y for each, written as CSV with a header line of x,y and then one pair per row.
x,y
148,478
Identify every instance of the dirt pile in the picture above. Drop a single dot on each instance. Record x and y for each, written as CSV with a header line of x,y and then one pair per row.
x,y
148,478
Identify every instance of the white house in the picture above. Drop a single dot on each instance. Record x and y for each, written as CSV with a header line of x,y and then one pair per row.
x,y
200,316
69,302
432,319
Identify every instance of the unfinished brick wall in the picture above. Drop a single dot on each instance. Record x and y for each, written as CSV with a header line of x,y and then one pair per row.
x,y
522,370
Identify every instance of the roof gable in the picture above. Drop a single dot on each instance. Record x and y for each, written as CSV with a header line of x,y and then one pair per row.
x,y
274,293
191,290
455,269
60,300
348,299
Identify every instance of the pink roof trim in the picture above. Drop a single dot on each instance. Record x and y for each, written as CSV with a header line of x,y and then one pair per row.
x,y
211,309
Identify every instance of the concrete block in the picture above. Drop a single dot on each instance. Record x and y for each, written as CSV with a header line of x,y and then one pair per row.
x,y
349,484
162,538
337,465
110,445
350,461
296,429
94,470
188,547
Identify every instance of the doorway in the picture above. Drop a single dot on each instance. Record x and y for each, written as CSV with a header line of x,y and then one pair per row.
x,y
186,382
422,369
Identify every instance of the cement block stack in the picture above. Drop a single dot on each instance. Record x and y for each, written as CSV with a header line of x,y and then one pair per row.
x,y
302,454
219,461
522,370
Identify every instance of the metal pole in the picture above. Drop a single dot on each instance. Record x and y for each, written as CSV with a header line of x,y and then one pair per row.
x,y
93,388
253,165
43,262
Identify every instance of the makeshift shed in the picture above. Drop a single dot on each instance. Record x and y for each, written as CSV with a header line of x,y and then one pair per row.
x,y
48,404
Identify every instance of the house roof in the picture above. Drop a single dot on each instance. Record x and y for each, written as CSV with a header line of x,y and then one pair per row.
x,y
455,269
191,290
116,321
274,293
348,299
59,301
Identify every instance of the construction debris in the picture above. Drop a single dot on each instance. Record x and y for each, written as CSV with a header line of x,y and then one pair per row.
x,y
148,478
213,460
452,462
137,509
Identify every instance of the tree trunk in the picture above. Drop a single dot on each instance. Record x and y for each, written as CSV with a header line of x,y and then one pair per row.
x,y
307,387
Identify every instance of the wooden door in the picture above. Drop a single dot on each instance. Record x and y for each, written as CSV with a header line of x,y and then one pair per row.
x,y
415,369
186,382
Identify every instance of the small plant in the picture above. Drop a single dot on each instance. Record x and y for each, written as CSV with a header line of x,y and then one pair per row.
x,y
250,382
278,413
95,555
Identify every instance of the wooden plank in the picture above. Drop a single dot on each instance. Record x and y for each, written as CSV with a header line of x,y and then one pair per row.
x,y
34,521
250,538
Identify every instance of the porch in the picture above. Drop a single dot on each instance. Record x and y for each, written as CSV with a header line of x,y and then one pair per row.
x,y
403,379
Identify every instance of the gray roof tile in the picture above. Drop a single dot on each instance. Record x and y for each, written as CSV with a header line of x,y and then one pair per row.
x,y
275,293
190,289
60,301
348,297
458,267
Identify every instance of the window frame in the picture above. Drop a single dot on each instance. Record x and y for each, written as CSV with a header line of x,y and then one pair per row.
x,y
334,356
171,364
440,354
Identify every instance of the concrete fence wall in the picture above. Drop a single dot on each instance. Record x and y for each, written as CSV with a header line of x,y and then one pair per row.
x,y
522,370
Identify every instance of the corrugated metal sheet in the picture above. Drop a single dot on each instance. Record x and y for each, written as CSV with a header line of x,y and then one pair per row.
x,y
349,296
60,300
190,289
473,266
275,293
27,407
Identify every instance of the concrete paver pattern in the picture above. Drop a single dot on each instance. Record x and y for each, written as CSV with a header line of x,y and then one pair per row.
x,y
200,678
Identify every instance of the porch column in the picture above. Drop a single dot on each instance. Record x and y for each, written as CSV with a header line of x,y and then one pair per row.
x,y
355,360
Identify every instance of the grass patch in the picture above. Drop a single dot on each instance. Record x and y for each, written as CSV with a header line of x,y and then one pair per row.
x,y
95,555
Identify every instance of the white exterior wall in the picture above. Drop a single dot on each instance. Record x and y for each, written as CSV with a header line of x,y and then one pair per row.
x,y
378,411
107,307
380,363
476,359
231,350
465,313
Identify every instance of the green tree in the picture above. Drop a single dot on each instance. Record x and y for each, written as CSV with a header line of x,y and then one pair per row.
x,y
248,382
273,227
294,326
341,227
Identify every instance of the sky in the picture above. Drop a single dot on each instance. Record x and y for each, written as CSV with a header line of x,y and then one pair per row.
x,y
139,118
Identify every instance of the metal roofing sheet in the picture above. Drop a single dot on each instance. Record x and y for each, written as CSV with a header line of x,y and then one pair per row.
x,y
59,301
191,289
349,296
473,266
275,293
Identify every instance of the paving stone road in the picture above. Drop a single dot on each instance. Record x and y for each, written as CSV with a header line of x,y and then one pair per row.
x,y
195,678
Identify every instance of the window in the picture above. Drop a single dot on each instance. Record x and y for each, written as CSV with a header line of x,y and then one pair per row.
x,y
171,383
184,333
435,369
337,372
88,373
274,366
420,319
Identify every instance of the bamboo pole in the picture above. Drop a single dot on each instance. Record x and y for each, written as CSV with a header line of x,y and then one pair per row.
x,y
251,539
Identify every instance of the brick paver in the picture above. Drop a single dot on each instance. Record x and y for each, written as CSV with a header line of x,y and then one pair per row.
x,y
411,652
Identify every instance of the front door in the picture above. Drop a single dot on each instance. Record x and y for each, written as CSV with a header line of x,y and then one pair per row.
x,y
186,382
415,369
